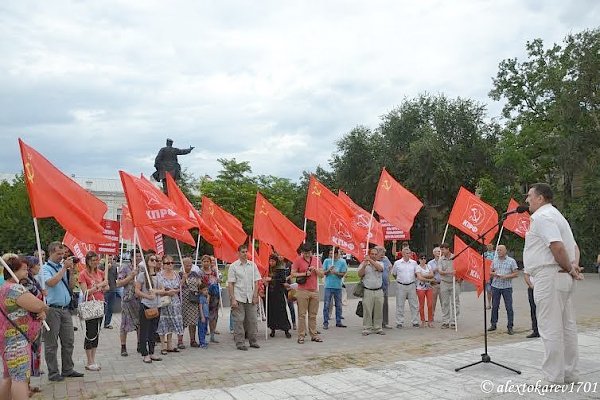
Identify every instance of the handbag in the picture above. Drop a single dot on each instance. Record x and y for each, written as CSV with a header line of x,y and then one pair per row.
x,y
90,309
151,313
359,290
359,309
164,301
301,280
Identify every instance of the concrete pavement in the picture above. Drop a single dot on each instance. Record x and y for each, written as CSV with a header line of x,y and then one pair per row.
x,y
344,351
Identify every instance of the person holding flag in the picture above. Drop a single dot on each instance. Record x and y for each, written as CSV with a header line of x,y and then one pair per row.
x,y
306,269
446,270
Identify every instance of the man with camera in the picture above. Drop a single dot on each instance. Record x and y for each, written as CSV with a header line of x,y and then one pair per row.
x,y
59,283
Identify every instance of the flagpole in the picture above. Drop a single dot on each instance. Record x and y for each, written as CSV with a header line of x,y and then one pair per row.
x,y
136,241
122,246
445,232
499,236
39,248
219,279
179,252
369,234
12,274
197,249
266,310
454,300
304,241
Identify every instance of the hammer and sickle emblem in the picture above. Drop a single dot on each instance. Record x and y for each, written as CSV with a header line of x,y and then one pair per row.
x,y
211,210
386,184
29,171
316,190
263,209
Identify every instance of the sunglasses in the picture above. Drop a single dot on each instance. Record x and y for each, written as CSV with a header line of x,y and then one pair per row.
x,y
168,262
153,259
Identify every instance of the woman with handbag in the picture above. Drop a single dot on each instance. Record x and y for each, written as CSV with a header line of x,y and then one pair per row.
x,y
149,296
171,319
93,285
209,274
190,282
18,329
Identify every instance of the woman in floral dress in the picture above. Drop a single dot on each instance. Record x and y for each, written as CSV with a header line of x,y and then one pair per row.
x,y
171,319
190,281
209,274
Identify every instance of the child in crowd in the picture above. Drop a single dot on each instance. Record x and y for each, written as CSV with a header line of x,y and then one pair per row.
x,y
203,316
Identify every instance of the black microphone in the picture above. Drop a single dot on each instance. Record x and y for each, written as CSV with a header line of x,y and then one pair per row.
x,y
518,210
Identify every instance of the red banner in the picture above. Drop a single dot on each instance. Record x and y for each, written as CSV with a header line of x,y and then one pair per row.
x,y
361,221
473,216
395,203
468,266
517,223
390,232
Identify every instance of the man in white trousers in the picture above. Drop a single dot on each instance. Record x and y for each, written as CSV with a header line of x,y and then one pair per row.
x,y
551,257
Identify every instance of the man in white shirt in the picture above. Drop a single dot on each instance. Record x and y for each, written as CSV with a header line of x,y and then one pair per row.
x,y
242,286
404,272
551,257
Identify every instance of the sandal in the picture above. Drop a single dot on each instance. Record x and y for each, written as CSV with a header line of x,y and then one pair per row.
x,y
154,358
148,361
164,352
300,340
316,339
174,350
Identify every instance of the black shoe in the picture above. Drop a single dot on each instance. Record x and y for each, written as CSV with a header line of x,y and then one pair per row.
x,y
533,335
124,353
288,334
272,334
492,328
416,325
75,328
254,345
242,347
341,325
510,331
56,378
73,374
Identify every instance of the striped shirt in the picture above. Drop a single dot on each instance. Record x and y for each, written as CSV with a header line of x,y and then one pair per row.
x,y
504,266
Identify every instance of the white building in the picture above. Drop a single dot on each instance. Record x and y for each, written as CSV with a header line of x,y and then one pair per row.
x,y
109,190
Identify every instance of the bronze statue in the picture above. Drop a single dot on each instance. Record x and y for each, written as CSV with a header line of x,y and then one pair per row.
x,y
166,162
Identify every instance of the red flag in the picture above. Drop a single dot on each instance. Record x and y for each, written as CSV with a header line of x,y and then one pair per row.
x,y
394,203
183,204
262,258
53,194
151,207
360,223
126,224
517,223
467,266
333,218
224,226
272,227
78,248
148,237
473,216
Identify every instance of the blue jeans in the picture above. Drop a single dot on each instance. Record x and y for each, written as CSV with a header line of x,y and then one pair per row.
x,y
337,295
109,298
507,295
202,327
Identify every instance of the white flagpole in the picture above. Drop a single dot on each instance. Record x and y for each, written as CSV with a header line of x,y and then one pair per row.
x,y
12,274
122,246
369,234
197,249
266,310
135,243
39,248
445,232
179,252
220,295
498,241
454,300
304,241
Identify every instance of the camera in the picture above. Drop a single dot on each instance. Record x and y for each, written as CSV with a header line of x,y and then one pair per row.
x,y
75,260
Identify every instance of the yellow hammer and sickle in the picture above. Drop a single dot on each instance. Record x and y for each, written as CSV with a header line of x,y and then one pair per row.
x,y
316,190
386,185
29,170
211,210
263,209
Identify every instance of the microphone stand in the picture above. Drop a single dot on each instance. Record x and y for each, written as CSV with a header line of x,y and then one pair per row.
x,y
485,357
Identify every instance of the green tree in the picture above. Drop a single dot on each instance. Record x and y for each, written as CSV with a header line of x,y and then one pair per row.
x,y
17,233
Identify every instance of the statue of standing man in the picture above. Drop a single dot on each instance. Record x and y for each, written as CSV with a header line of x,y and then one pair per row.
x,y
166,162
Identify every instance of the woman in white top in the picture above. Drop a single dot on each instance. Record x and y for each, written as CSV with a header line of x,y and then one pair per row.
x,y
424,291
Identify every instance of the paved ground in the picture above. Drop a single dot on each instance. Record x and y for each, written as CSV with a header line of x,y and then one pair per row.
x,y
410,360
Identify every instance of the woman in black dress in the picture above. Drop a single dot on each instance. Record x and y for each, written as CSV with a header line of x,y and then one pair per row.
x,y
277,318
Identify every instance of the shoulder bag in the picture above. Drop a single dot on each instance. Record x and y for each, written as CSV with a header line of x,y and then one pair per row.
x,y
90,309
301,280
359,289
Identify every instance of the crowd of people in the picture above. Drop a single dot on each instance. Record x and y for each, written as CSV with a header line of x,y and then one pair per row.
x,y
158,302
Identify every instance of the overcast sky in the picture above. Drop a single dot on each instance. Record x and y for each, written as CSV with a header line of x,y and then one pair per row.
x,y
99,86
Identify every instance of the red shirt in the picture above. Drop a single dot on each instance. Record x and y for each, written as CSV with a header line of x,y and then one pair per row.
x,y
89,280
300,266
